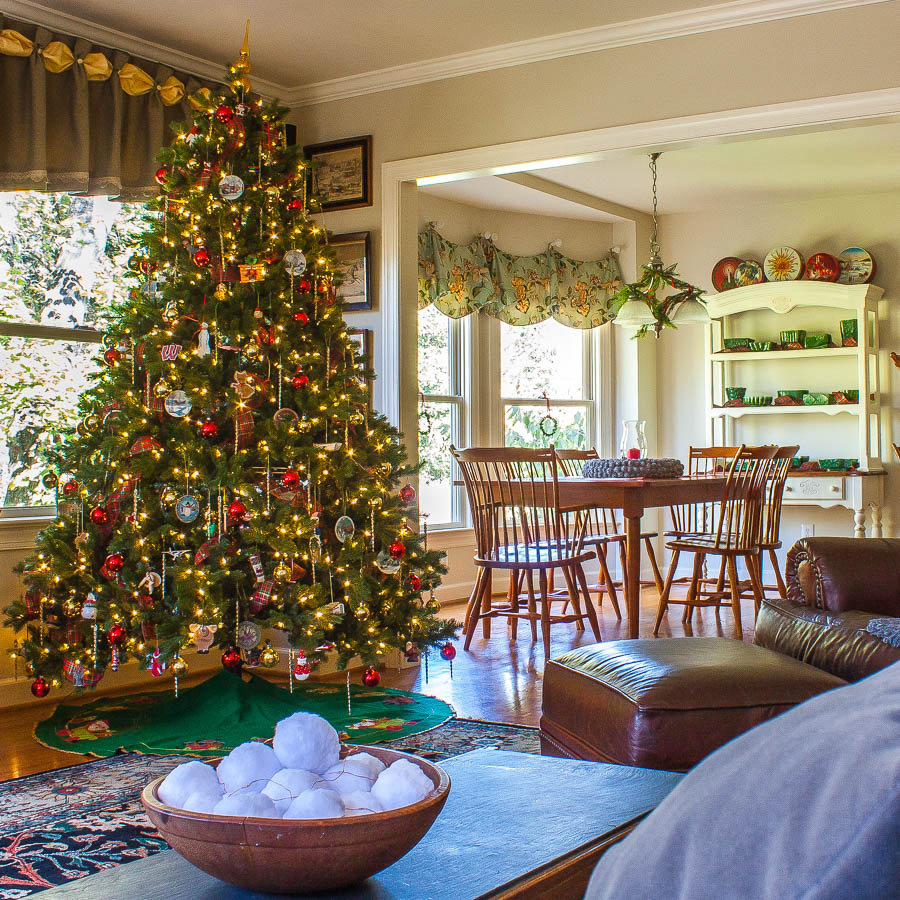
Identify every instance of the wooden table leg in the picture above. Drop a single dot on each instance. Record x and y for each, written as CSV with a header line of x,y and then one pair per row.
x,y
633,582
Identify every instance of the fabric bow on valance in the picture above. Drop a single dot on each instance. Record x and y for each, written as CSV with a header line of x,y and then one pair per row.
x,y
77,118
460,279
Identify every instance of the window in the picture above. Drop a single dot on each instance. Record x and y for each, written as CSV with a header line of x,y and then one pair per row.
x,y
62,262
545,370
441,410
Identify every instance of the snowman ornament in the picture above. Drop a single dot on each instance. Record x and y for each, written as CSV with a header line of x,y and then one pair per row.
x,y
203,349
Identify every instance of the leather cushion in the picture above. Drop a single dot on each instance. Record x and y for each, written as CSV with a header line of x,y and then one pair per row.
x,y
837,574
834,642
667,703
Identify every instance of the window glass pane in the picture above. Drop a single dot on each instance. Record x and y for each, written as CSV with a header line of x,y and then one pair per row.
x,y
434,351
544,357
62,257
438,428
42,381
523,427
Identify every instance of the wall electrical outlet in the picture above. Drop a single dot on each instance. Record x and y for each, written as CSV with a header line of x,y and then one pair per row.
x,y
807,529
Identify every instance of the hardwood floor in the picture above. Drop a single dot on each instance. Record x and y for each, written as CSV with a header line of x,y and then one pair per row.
x,y
498,680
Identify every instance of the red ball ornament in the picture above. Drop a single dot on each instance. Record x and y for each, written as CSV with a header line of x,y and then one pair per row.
x,y
236,510
397,549
295,204
370,677
116,635
300,381
224,114
415,582
112,356
209,429
301,317
231,660
70,488
99,516
39,687
448,651
201,258
161,176
115,562
305,285
291,480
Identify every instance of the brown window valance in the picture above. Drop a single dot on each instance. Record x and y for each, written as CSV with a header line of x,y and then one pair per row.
x,y
75,117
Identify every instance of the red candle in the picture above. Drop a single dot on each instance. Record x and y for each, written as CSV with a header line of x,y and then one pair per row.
x,y
634,453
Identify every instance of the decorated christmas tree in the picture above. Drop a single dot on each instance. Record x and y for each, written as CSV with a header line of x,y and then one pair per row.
x,y
226,473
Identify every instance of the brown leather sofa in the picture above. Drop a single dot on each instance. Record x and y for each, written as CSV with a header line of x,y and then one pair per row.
x,y
669,702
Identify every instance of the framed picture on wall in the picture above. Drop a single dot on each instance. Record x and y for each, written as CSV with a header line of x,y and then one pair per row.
x,y
353,257
362,346
342,172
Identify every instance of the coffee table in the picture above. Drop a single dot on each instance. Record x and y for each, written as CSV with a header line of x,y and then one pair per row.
x,y
515,825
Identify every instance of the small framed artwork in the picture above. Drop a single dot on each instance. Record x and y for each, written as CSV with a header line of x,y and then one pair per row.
x,y
342,172
362,346
353,256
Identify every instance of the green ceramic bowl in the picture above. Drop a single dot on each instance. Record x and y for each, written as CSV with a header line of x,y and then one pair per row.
x,y
758,401
852,395
798,461
795,395
817,341
735,393
793,337
831,465
762,346
816,399
737,343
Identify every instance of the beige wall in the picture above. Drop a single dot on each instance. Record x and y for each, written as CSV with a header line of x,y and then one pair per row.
x,y
698,240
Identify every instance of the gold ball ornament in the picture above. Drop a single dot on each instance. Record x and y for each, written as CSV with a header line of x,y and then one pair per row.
x,y
432,606
162,388
179,667
282,572
375,502
384,469
268,656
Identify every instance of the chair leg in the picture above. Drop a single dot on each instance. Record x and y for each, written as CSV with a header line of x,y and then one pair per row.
x,y
735,596
609,582
545,611
667,588
486,602
473,614
589,607
573,597
513,603
532,605
623,565
693,588
651,555
754,568
779,579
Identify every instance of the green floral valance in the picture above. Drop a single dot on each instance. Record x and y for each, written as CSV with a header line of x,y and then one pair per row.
x,y
520,290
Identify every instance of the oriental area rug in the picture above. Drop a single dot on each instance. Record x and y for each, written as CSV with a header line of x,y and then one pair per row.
x,y
224,711
73,822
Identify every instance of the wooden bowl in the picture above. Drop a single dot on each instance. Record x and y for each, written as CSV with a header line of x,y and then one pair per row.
x,y
282,856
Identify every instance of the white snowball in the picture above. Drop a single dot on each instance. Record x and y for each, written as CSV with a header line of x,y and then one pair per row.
x,y
246,803
401,784
348,775
287,784
315,804
249,765
184,780
204,799
360,803
374,764
306,741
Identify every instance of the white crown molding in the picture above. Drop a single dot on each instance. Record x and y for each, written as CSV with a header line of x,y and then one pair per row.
x,y
587,40
37,14
733,14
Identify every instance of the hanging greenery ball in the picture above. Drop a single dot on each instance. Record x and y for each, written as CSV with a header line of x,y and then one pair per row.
x,y
371,677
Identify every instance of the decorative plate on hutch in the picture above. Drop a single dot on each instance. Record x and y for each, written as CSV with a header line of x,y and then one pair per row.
x,y
723,273
749,272
822,267
857,266
783,264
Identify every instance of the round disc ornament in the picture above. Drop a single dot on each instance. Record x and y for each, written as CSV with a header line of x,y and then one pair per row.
x,y
548,425
187,508
385,563
295,262
249,635
231,187
178,404
285,417
344,529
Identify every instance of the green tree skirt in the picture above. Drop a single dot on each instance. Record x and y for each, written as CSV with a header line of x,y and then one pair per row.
x,y
224,711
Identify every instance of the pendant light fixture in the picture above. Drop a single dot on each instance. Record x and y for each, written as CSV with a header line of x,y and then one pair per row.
x,y
642,306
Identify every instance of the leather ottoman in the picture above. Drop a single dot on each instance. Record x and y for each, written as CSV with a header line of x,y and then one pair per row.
x,y
666,703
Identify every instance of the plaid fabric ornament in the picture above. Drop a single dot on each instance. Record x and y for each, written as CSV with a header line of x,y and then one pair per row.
x,y
32,602
73,632
243,430
144,445
220,273
157,406
78,675
260,598
206,548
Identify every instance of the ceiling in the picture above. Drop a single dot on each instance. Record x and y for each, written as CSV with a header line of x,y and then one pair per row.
x,y
296,42
857,160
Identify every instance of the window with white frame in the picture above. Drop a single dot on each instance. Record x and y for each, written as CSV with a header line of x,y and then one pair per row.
x,y
62,262
442,410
